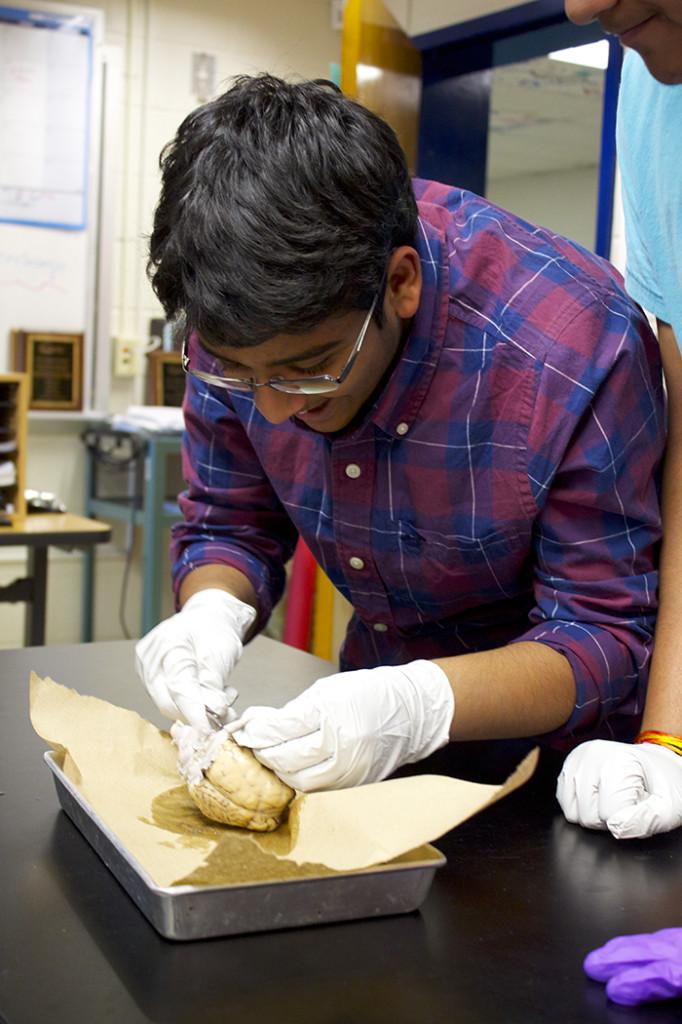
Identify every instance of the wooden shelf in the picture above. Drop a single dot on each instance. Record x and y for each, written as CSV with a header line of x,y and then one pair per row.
x,y
13,429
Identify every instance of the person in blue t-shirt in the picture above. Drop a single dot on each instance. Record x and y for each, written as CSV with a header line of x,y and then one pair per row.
x,y
635,790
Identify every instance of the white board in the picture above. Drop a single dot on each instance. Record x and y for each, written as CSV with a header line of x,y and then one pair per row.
x,y
51,277
45,86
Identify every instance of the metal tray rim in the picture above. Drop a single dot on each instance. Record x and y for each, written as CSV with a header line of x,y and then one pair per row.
x,y
49,756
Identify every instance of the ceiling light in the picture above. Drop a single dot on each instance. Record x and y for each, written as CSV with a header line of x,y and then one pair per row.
x,y
367,73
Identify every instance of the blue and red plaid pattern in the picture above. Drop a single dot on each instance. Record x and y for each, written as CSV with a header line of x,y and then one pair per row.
x,y
508,470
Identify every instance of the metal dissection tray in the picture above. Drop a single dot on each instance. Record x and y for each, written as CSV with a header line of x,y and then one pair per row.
x,y
185,912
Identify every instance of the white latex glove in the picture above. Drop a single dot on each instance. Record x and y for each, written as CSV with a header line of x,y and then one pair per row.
x,y
197,750
352,728
633,790
186,660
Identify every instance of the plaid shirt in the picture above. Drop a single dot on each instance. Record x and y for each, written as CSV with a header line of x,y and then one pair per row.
x,y
502,487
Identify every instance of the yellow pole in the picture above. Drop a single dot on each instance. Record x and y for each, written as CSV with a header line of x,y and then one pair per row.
x,y
323,616
350,47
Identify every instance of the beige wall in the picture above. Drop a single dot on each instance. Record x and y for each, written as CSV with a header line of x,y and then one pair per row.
x,y
157,39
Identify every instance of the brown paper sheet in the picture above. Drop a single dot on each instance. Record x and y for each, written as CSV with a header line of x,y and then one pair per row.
x,y
125,768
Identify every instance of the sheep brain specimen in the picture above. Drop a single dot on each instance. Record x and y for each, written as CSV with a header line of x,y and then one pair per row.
x,y
236,789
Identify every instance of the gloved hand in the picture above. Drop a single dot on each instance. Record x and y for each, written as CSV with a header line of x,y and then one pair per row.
x,y
634,790
197,750
352,727
639,968
186,660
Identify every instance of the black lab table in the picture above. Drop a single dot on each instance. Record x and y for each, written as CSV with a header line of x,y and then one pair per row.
x,y
499,940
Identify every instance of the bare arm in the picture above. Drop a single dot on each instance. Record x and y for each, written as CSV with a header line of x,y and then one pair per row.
x,y
664,698
220,577
523,689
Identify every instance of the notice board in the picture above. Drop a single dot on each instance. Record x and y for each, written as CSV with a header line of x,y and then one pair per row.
x,y
53,87
45,83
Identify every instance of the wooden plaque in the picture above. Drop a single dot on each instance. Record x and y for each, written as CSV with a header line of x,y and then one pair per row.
x,y
54,364
166,378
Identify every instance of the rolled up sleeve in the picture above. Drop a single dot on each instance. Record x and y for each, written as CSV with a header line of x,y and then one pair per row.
x,y
598,525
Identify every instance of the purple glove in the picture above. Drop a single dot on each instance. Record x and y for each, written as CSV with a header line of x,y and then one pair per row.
x,y
639,968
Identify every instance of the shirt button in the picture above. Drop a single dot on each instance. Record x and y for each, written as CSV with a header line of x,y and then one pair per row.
x,y
380,627
402,428
353,471
356,563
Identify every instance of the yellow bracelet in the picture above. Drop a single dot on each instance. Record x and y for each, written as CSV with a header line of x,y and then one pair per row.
x,y
663,739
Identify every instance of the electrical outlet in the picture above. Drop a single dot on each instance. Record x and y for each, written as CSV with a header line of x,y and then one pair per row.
x,y
125,357
336,14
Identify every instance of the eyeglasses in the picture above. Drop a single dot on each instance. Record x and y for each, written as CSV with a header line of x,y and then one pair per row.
x,y
290,386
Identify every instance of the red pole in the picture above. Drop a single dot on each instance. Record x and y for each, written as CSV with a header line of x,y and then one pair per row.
x,y
299,611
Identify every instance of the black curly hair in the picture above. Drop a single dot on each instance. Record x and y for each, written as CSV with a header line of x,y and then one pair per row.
x,y
280,205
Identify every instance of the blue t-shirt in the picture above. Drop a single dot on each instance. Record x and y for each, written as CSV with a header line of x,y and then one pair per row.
x,y
650,157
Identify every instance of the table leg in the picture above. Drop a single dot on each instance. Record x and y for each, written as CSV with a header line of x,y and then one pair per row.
x,y
88,595
155,484
34,621
88,570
